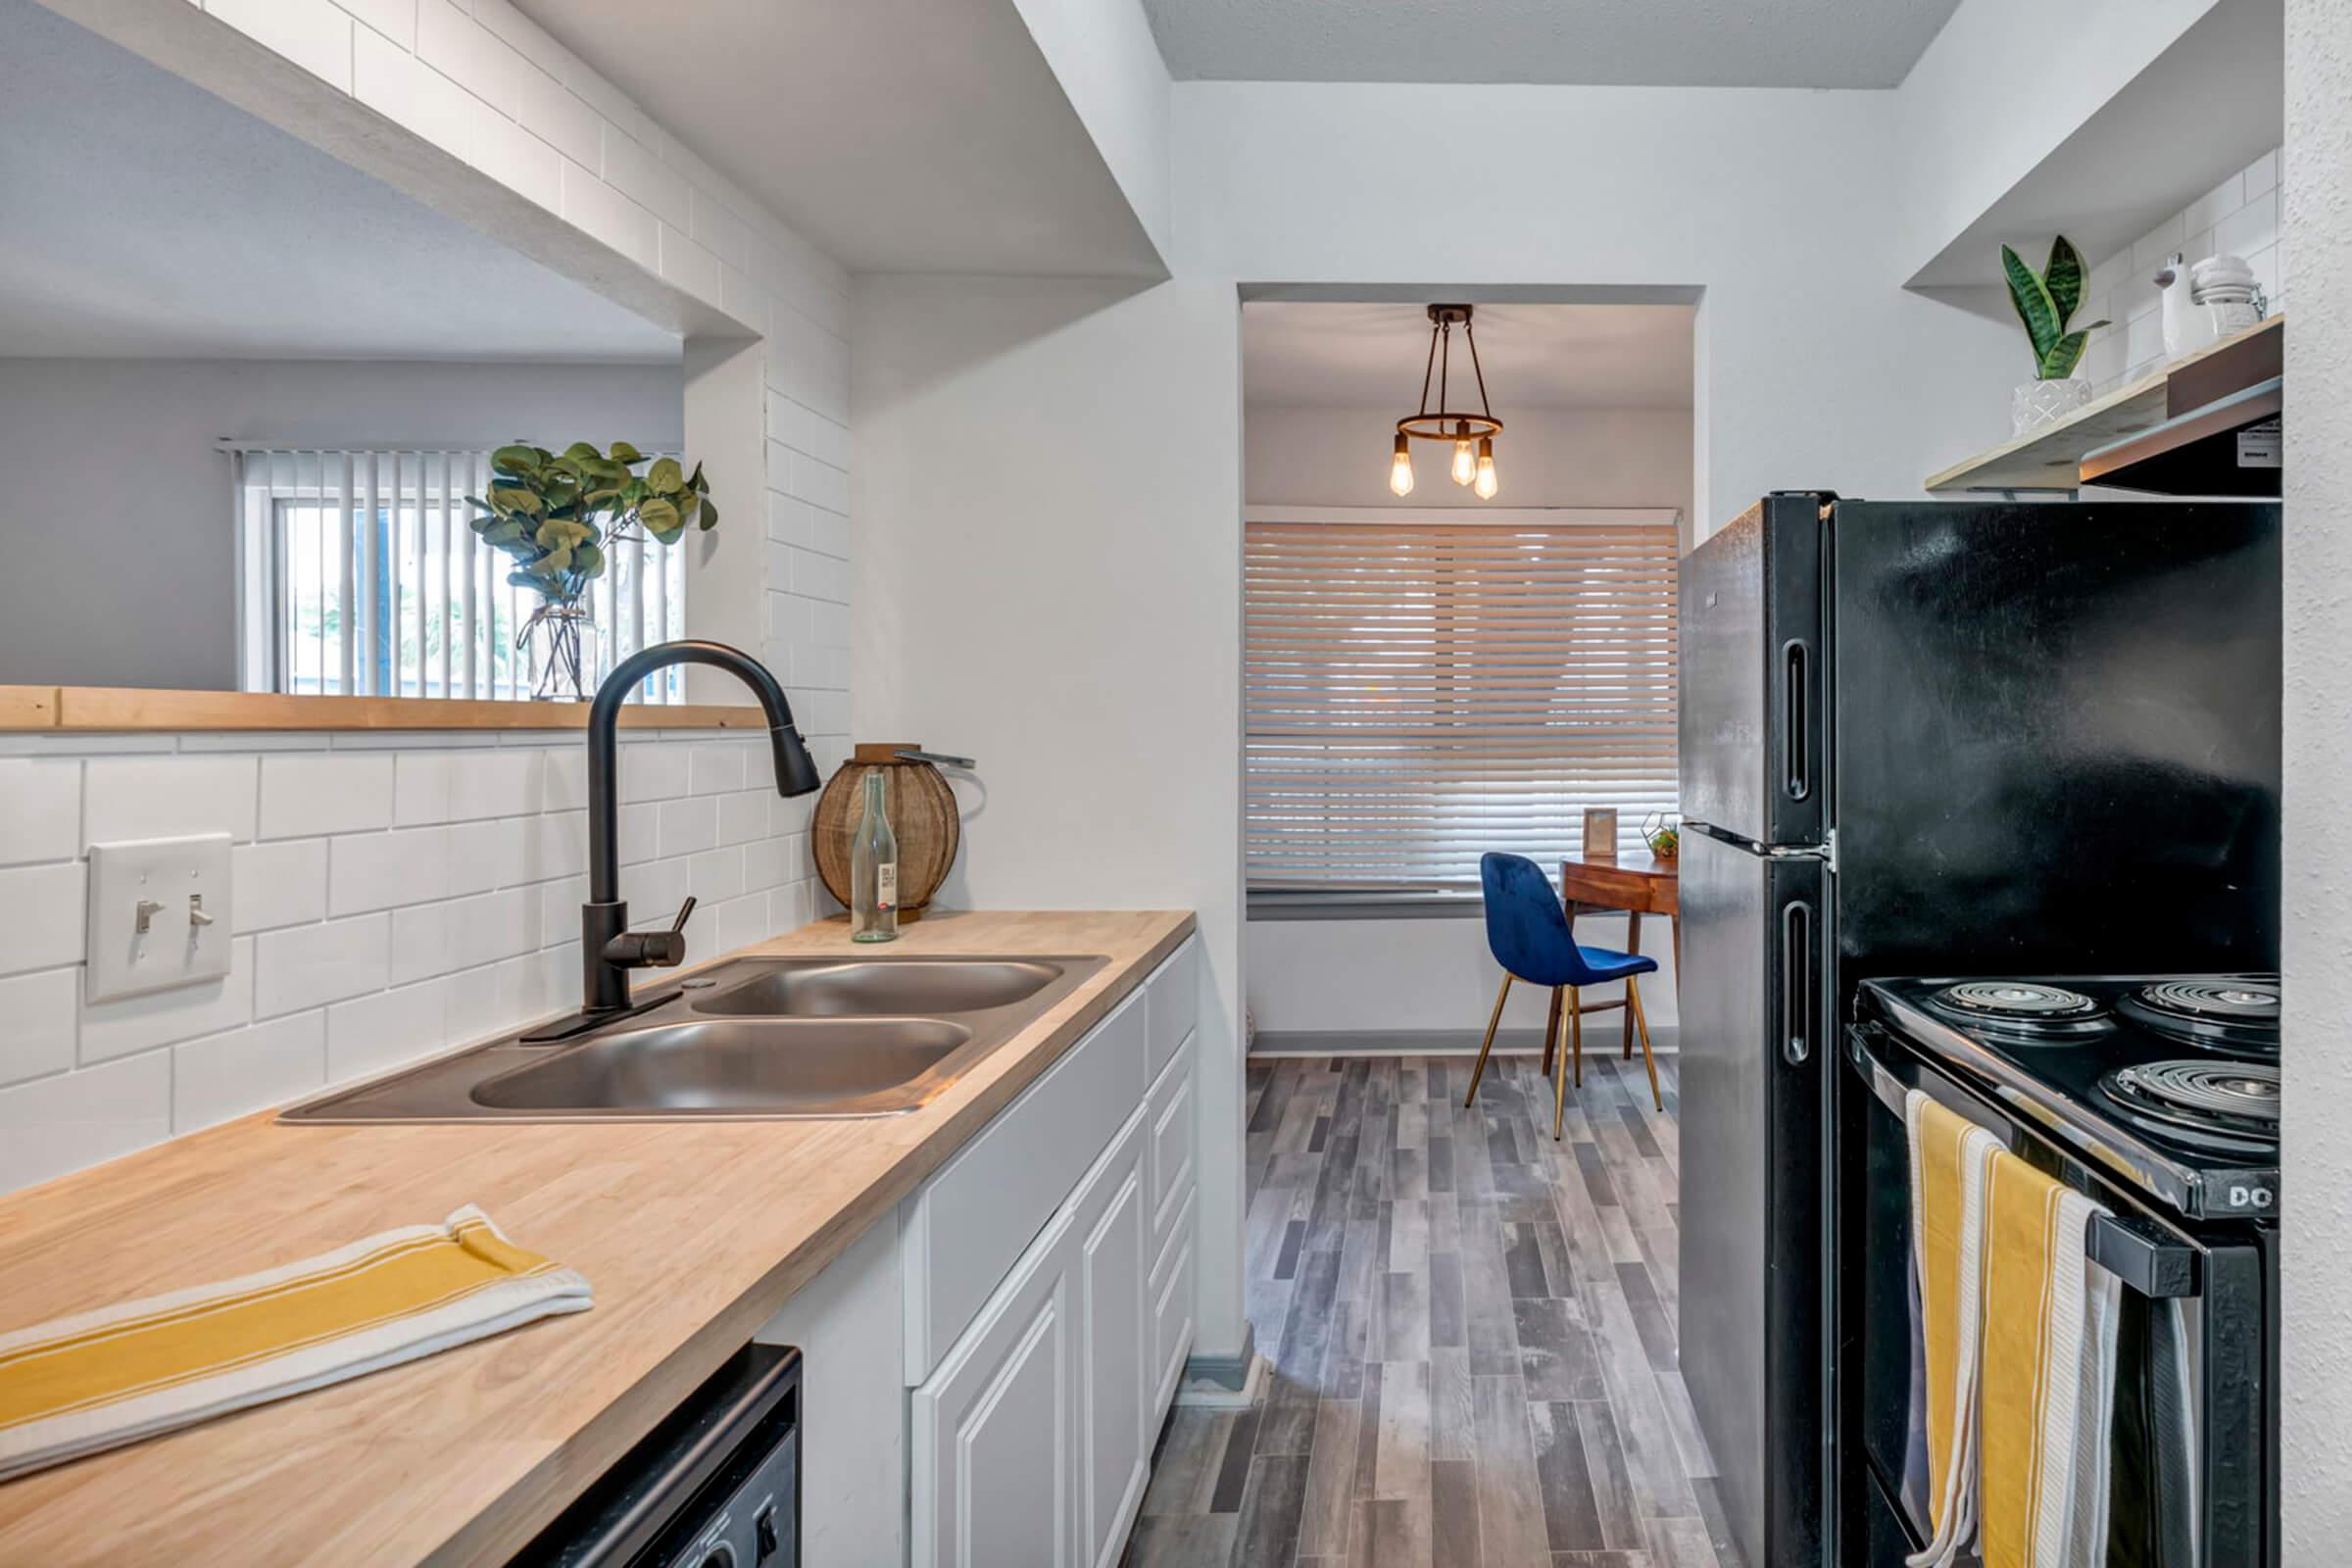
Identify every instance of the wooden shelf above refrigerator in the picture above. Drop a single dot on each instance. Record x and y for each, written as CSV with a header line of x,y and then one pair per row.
x,y
2050,457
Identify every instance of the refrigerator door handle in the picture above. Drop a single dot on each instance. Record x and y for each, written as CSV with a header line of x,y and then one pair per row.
x,y
1796,982
1796,718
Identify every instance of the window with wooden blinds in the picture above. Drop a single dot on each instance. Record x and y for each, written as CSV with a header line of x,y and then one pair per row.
x,y
1420,692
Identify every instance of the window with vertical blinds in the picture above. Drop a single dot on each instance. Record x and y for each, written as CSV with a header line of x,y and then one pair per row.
x,y
1420,692
360,574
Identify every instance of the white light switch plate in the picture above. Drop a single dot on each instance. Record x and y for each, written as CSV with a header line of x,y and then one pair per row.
x,y
182,887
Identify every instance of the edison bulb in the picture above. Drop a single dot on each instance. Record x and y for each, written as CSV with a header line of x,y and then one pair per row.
x,y
1401,469
1488,482
1465,465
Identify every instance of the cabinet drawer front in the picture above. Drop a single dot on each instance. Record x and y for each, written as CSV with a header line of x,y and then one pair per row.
x,y
1171,1297
976,1213
1173,996
995,1431
1169,1120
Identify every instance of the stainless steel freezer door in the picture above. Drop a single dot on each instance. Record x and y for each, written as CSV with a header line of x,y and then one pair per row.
x,y
1753,1041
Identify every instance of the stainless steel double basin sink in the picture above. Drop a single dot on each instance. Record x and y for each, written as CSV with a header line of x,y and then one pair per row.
x,y
752,1039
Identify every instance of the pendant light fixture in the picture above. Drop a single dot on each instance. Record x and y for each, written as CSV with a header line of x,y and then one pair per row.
x,y
1472,434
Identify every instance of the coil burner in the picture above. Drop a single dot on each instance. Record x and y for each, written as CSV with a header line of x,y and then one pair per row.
x,y
2237,1098
2234,1012
2031,1009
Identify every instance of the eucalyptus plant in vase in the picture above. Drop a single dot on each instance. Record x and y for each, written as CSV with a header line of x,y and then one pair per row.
x,y
558,514
2045,302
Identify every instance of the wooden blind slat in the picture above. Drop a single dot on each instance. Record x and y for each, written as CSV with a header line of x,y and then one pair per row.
x,y
1416,695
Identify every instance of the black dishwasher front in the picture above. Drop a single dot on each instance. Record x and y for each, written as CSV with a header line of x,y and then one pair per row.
x,y
716,1484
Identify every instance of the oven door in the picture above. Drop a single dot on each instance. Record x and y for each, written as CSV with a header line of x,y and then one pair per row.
x,y
2193,1479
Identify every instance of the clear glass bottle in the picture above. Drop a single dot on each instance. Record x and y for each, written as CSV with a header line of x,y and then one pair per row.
x,y
874,868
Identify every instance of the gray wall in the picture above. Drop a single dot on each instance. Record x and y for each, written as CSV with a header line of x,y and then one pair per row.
x,y
118,549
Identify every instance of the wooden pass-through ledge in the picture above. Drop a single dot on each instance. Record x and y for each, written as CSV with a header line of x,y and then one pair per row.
x,y
94,708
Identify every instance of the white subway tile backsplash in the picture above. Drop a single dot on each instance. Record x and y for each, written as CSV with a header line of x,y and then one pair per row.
x,y
533,849
227,1075
40,916
2262,175
742,816
37,1024
308,794
743,921
396,20
511,155
310,965
131,1024
466,786
717,766
651,770
395,83
564,780
436,939
2252,228
279,884
409,865
40,808
637,829
2151,250
62,1123
2212,206
688,825
715,874
169,797
592,205
313,33
371,1032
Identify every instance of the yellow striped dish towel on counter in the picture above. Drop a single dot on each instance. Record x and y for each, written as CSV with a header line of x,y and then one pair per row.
x,y
77,1385
1950,1158
2048,1375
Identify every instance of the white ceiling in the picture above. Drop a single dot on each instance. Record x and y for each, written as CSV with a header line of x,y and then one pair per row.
x,y
141,216
1535,356
898,135
1678,43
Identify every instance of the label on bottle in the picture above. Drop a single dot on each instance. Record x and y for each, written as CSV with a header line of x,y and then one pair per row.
x,y
886,885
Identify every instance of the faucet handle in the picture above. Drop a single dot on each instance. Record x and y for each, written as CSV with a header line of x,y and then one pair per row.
x,y
652,950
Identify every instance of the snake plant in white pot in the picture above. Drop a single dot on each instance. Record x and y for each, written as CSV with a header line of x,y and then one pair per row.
x,y
2045,302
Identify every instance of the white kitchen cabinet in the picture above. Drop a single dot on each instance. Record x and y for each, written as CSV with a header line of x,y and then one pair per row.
x,y
1048,1294
1113,1222
995,1428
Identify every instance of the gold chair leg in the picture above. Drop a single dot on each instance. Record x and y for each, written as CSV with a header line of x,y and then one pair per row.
x,y
1492,1019
1551,1030
1559,1088
1576,1027
1633,995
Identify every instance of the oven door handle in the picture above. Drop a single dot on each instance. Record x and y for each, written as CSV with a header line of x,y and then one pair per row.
x,y
2141,1256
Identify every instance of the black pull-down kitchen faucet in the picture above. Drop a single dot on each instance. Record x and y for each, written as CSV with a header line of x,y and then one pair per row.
x,y
609,948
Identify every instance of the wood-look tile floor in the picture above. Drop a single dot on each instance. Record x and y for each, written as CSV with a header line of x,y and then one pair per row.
x,y
1470,1331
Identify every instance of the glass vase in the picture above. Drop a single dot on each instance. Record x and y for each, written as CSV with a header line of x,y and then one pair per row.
x,y
562,643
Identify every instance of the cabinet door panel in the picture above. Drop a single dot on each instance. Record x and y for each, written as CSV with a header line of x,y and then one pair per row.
x,y
1171,1297
1113,1224
995,1428
1171,1159
1172,994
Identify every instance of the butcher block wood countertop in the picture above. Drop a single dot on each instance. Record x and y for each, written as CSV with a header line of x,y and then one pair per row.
x,y
691,1235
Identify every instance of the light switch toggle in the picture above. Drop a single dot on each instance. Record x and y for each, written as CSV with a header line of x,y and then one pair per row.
x,y
158,914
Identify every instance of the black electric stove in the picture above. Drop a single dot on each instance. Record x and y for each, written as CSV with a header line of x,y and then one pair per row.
x,y
2168,1083
2158,1097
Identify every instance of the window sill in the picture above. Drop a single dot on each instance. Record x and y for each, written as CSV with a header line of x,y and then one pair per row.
x,y
132,709
1465,905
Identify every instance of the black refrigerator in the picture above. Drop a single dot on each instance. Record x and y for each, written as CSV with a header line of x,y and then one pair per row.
x,y
1930,738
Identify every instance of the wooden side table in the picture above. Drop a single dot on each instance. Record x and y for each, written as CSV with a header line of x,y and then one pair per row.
x,y
1639,886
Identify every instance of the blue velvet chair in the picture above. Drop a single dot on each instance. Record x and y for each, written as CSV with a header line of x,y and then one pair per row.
x,y
1528,932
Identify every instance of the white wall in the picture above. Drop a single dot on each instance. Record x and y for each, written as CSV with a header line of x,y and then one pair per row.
x,y
1371,977
1816,368
1977,112
1048,579
139,588
393,894
2317,1361
1297,456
